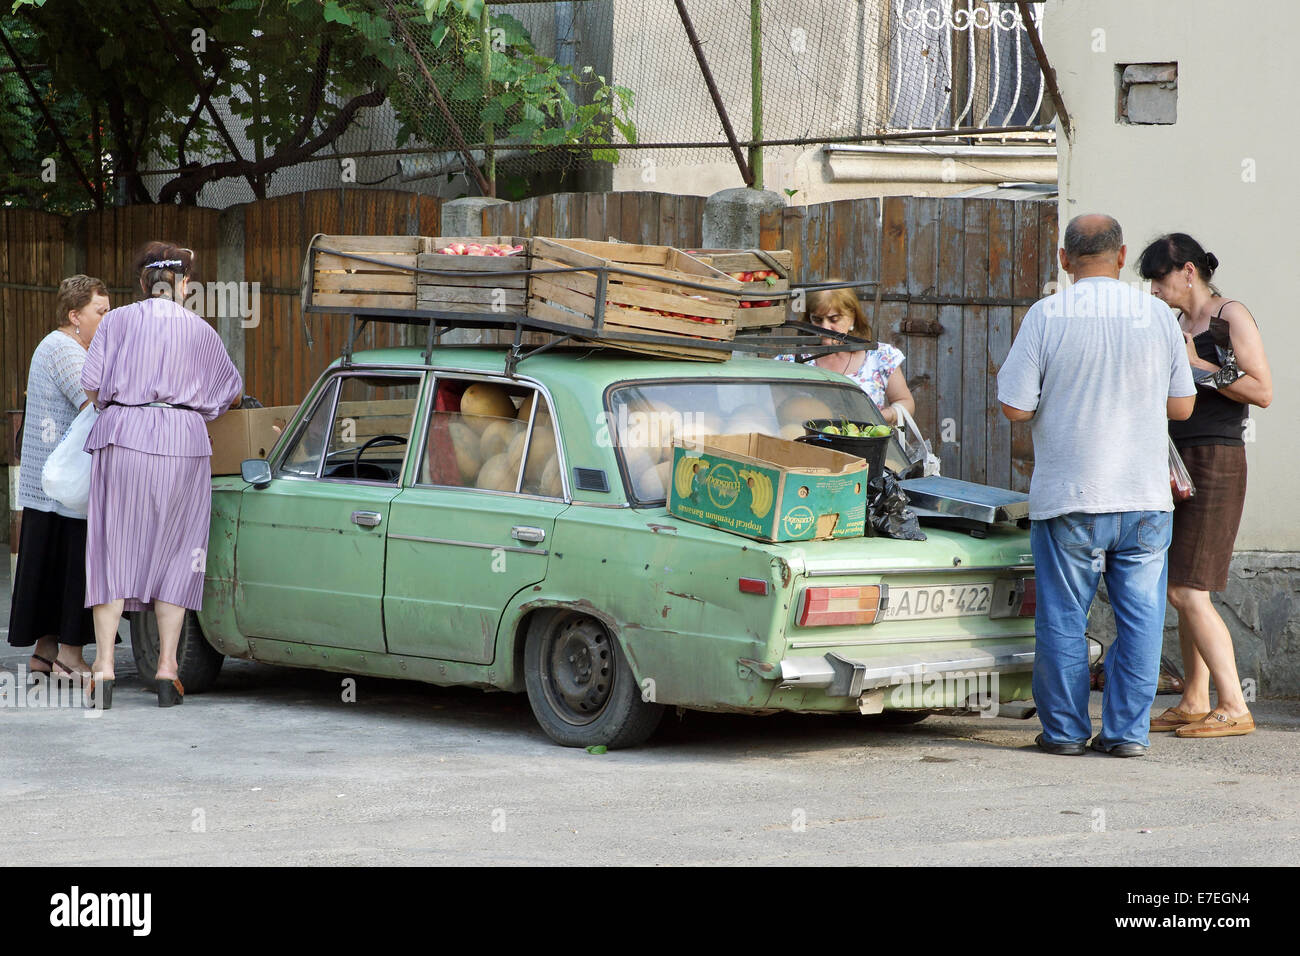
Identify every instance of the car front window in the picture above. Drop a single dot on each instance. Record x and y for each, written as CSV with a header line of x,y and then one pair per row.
x,y
646,418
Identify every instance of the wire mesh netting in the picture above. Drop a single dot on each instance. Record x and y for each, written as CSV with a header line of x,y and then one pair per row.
x,y
437,98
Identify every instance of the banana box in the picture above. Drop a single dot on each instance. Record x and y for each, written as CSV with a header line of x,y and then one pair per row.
x,y
768,488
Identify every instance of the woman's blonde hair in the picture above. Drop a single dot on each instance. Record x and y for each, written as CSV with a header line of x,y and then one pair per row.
x,y
843,300
75,293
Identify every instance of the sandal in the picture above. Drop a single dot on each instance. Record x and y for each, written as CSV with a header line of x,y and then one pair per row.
x,y
1218,724
34,674
1173,718
68,675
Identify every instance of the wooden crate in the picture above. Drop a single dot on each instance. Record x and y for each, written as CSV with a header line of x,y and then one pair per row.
x,y
633,304
343,283
472,290
732,261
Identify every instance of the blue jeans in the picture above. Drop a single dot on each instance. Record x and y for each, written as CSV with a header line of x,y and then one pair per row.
x,y
1071,553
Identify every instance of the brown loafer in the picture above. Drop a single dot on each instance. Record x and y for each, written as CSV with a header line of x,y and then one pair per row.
x,y
1173,718
1218,724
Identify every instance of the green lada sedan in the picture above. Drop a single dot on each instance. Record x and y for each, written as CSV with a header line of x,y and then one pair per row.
x,y
438,520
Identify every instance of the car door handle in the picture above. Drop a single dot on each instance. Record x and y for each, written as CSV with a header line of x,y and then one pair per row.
x,y
523,533
367,519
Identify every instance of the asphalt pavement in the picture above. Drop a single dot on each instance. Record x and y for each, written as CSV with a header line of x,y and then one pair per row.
x,y
274,767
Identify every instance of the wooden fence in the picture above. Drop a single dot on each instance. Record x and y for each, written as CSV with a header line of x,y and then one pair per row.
x,y
946,280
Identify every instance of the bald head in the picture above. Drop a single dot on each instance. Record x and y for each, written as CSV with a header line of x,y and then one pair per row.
x,y
1093,234
1094,246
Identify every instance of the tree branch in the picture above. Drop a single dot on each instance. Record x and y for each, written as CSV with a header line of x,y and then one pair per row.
x,y
195,81
54,127
192,182
314,96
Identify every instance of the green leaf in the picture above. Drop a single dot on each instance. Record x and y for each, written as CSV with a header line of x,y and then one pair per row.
x,y
597,749
336,14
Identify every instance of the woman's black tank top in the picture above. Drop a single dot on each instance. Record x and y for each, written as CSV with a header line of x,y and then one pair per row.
x,y
1216,419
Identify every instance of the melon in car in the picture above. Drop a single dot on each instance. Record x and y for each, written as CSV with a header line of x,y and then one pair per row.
x,y
802,408
483,402
497,436
498,474
465,442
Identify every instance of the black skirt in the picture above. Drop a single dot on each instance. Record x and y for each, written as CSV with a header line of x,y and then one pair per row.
x,y
50,581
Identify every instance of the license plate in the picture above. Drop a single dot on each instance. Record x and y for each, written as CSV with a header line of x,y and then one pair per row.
x,y
939,600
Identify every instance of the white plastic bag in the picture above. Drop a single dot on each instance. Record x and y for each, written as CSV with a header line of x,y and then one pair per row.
x,y
66,475
915,446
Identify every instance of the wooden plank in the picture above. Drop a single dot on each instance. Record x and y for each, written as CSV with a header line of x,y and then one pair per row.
x,y
594,226
769,232
363,244
1048,264
950,358
816,243
1025,282
792,238
1001,236
922,279
630,218
977,365
666,230
444,294
577,291
475,280
357,300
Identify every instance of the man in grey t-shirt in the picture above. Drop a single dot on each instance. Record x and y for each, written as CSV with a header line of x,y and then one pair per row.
x,y
1098,369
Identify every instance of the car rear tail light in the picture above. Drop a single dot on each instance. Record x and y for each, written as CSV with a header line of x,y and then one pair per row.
x,y
1029,598
753,586
839,606
1013,597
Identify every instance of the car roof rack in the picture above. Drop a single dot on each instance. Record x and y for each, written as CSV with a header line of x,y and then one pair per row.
x,y
803,340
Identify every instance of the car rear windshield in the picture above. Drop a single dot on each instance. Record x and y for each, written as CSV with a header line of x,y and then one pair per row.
x,y
646,418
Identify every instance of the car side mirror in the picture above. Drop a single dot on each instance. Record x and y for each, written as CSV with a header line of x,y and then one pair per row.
x,y
256,471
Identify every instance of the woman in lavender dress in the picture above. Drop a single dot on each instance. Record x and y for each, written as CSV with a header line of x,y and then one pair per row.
x,y
157,372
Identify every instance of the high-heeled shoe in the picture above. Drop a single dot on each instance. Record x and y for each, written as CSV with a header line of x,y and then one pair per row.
x,y
99,693
170,692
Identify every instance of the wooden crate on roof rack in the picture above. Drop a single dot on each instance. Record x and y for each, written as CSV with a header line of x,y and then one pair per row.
x,y
759,270
654,302
350,272
472,290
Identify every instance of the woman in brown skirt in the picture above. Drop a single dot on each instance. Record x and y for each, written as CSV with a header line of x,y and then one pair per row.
x,y
1212,446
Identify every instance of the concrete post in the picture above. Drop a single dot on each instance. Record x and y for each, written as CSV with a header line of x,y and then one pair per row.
x,y
464,217
230,268
731,217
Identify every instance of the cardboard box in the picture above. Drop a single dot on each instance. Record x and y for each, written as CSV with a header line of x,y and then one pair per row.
x,y
246,433
768,488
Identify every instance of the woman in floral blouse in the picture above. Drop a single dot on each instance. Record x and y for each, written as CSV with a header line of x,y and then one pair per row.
x,y
877,371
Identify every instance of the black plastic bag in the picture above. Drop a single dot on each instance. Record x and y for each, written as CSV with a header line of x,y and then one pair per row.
x,y
889,513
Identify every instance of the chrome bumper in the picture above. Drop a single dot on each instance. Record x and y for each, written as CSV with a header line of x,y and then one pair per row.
x,y
846,677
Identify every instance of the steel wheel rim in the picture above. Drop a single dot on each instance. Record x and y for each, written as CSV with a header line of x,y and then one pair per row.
x,y
578,671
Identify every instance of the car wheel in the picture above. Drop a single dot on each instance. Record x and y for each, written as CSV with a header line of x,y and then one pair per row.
x,y
198,662
580,686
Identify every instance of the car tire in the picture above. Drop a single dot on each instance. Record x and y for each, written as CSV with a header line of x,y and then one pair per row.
x,y
198,662
580,687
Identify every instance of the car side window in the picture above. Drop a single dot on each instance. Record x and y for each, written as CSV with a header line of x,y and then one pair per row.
x,y
363,435
479,438
302,460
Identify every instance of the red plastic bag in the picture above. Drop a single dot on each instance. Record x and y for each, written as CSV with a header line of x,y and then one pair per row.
x,y
1180,482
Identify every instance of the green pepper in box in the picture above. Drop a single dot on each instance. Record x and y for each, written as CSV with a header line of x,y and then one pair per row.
x,y
768,488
